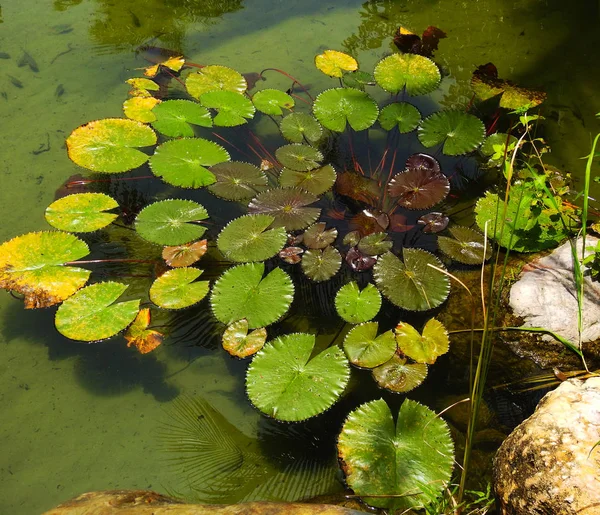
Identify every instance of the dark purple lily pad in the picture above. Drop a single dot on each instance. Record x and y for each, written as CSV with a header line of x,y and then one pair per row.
x,y
358,261
357,187
419,189
433,222
422,161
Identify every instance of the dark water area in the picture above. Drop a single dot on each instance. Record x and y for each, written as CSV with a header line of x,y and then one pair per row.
x,y
79,417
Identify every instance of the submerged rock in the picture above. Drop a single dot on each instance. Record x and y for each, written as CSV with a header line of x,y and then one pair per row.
x,y
548,464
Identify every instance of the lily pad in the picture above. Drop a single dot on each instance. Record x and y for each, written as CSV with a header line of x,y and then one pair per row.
x,y
375,244
467,246
284,383
316,181
239,343
321,264
143,84
420,161
403,115
367,350
82,212
433,222
92,314
336,107
140,108
215,78
412,284
237,180
174,63
318,237
272,101
110,145
460,132
291,255
171,222
178,288
358,187
296,127
143,339
358,80
288,206
358,261
409,461
399,376
184,162
248,238
418,74
242,292
173,118
184,255
232,108
355,305
334,63
34,265
299,157
419,189
424,348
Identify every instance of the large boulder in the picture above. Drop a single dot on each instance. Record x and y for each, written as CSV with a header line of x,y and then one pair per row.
x,y
549,465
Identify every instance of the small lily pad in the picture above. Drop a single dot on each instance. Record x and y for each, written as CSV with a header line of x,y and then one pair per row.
x,y
337,107
232,108
173,118
460,132
140,108
184,255
418,74
355,305
403,115
215,78
423,162
375,244
272,101
237,180
178,288
321,264
299,157
398,375
239,343
367,350
467,246
318,237
81,212
424,348
143,339
174,63
316,181
334,63
358,80
288,206
433,222
296,127
419,189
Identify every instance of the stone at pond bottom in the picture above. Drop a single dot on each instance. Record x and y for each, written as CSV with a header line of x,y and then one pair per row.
x,y
146,502
547,465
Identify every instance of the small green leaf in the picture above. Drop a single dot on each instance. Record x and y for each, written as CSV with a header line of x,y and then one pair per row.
x,y
403,115
316,181
418,74
318,237
215,78
426,348
82,212
233,109
460,132
296,127
178,288
367,350
288,206
375,244
355,305
237,180
321,264
173,118
271,101
336,107
467,246
299,157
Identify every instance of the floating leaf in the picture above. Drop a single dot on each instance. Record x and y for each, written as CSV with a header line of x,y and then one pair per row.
x,y
317,237
287,205
171,222
271,101
296,127
403,115
410,462
143,84
239,343
334,63
336,107
291,255
143,339
184,162
418,74
424,348
232,108
174,63
184,255
173,118
316,181
109,145
92,314
467,246
375,244
419,189
284,383
355,305
215,78
242,292
358,261
460,132
497,148
34,265
140,108
399,376
412,284
408,42
367,350
299,157
358,187
81,212
358,80
366,222
247,238
321,264
352,238
237,180
398,224
178,288
433,222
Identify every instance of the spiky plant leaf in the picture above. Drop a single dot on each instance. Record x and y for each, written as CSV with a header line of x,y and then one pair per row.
x,y
81,212
232,108
184,255
318,237
215,78
355,305
178,288
288,206
271,101
284,383
425,348
173,118
239,343
336,107
140,108
334,63
237,180
403,115
467,246
299,157
316,181
418,74
460,132
375,244
295,127
321,264
367,350
143,339
419,189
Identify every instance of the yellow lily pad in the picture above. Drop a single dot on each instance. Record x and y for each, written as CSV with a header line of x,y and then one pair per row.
x,y
140,108
334,63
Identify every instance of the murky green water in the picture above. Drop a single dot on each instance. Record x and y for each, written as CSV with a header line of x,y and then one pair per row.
x,y
81,417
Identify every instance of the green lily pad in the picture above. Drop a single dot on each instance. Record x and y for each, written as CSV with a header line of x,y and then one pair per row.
x,y
321,264
403,115
178,288
355,305
140,108
299,157
367,350
288,206
215,78
467,246
358,80
110,145
460,132
284,383
242,292
271,101
336,107
412,284
232,108
418,74
248,238
171,222
237,180
184,162
375,244
239,343
410,461
318,237
296,127
498,147
316,181
82,212
399,376
424,348
34,265
92,314
173,118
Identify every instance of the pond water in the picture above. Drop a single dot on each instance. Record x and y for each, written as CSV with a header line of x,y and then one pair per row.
x,y
79,417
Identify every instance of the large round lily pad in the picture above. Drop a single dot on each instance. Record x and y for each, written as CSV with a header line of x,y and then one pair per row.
x,y
178,288
173,118
460,132
284,383
336,107
81,212
418,74
288,206
237,180
215,78
355,305
366,349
